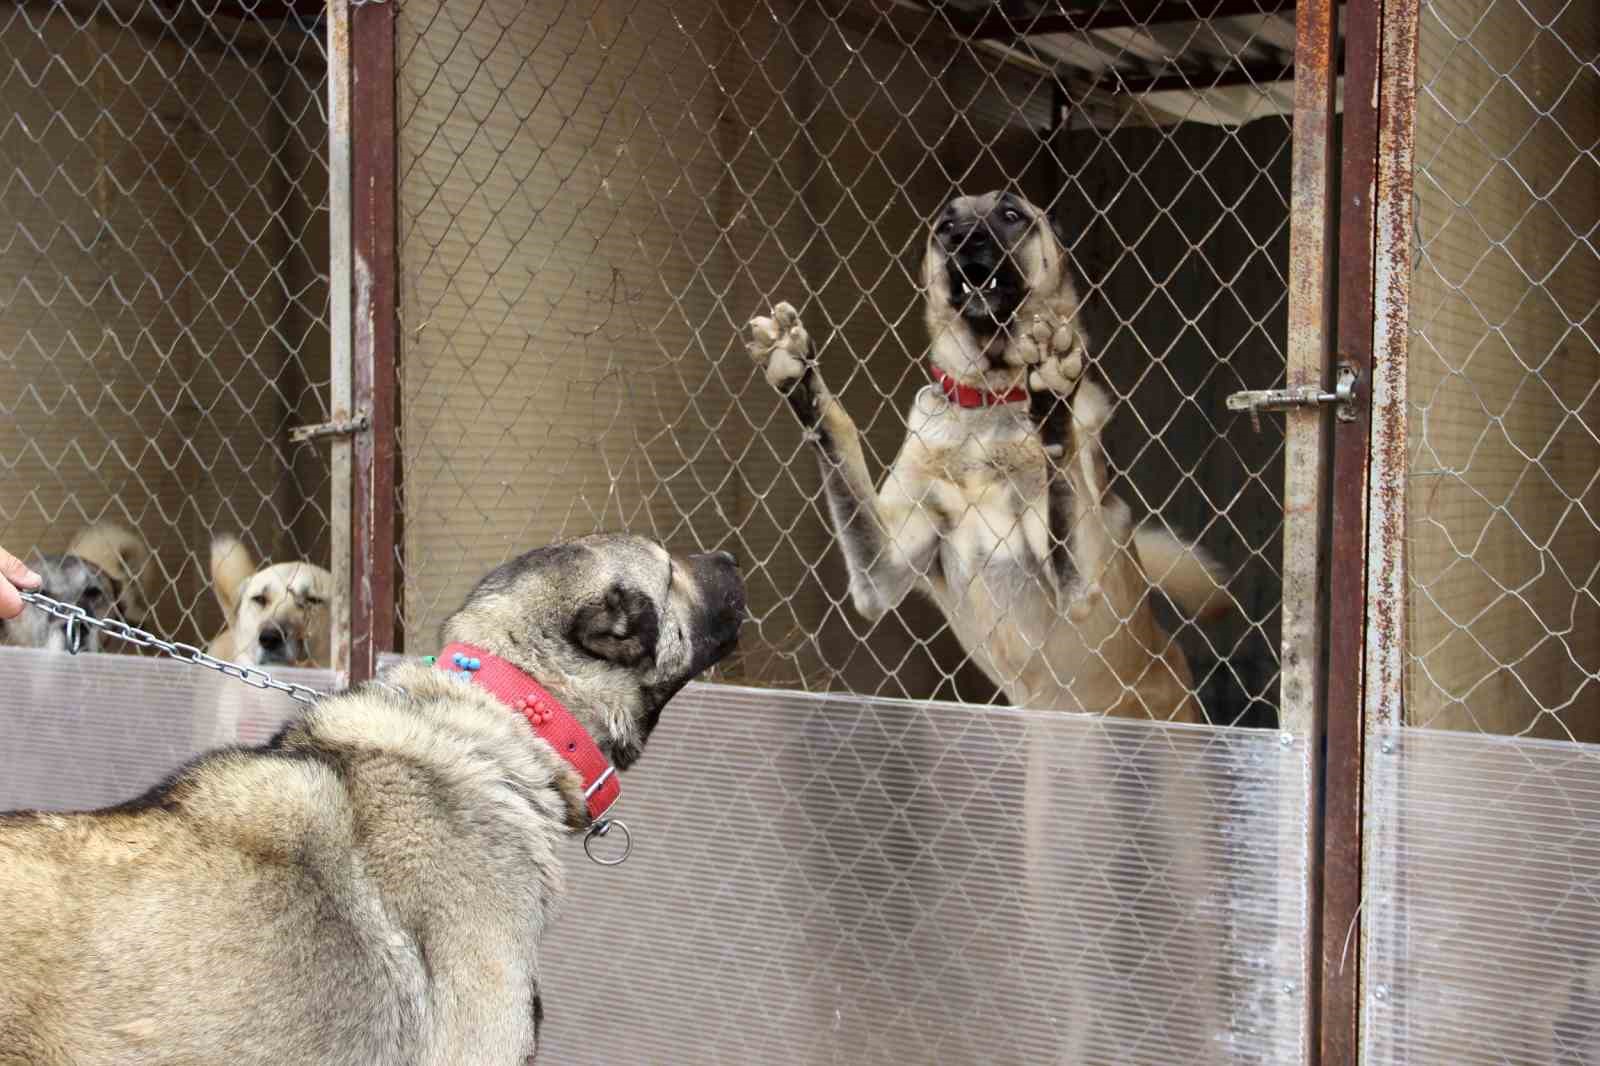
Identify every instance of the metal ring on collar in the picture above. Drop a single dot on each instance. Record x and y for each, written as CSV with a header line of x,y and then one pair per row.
x,y
74,635
600,829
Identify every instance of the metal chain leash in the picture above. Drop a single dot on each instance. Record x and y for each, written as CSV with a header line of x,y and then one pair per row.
x,y
77,618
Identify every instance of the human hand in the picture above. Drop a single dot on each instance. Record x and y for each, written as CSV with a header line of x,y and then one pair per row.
x,y
14,575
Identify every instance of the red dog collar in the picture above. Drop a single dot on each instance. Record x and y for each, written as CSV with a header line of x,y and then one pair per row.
x,y
544,713
967,396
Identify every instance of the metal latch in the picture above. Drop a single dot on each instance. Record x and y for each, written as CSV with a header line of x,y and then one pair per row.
x,y
1343,397
344,427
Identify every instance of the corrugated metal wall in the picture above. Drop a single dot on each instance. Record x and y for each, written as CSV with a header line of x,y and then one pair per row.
x,y
163,287
1503,538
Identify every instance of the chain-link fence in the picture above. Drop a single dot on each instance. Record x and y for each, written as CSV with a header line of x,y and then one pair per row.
x,y
1505,628
595,198
1482,827
163,295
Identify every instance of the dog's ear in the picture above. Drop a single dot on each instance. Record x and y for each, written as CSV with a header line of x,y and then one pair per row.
x,y
621,628
1058,227
231,566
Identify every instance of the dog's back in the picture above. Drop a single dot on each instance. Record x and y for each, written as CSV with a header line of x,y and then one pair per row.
x,y
288,904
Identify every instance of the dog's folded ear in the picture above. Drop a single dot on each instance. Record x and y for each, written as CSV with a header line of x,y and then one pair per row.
x,y
231,566
621,628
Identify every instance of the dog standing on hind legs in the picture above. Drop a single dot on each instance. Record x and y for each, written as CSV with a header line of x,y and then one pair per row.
x,y
998,507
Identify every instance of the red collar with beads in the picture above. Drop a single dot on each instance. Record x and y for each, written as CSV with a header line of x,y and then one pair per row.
x,y
968,396
549,719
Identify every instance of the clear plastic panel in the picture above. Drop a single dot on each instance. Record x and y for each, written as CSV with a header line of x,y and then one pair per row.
x,y
823,879
843,880
1482,901
91,730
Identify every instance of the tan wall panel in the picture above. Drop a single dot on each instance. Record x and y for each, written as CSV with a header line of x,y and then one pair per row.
x,y
593,202
163,278
1503,541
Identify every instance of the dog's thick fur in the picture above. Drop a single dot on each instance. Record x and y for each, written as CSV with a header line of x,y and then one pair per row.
x,y
1003,514
277,615
369,887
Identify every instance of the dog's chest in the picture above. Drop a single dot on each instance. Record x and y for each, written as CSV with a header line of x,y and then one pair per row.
x,y
983,477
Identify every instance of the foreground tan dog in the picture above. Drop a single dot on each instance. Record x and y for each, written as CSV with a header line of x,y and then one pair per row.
x,y
277,615
998,504
370,887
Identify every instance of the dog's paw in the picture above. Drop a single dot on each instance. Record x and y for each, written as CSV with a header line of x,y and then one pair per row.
x,y
1053,352
780,346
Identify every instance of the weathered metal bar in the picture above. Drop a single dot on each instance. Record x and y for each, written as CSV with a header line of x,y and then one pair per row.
x,y
995,23
1341,826
339,275
1308,355
1385,591
1231,76
375,325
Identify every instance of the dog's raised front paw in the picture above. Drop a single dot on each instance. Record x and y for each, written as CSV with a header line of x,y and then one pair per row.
x,y
780,346
1053,352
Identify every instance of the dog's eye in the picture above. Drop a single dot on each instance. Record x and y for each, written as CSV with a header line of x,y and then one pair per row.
x,y
943,227
259,599
1011,215
314,601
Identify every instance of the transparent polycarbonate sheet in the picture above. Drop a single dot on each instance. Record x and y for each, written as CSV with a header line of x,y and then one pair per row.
x,y
1482,903
825,879
92,730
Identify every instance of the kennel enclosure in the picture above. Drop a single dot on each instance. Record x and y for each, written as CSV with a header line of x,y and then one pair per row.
x,y
491,263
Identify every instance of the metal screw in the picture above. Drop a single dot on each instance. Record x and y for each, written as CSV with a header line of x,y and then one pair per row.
x,y
1285,740
1288,988
1381,993
1387,747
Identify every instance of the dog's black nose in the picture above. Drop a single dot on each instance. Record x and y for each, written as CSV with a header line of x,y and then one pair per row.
x,y
271,638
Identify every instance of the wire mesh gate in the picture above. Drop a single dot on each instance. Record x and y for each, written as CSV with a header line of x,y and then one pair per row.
x,y
560,220
592,202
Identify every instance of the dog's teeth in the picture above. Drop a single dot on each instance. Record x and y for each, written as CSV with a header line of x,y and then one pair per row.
x,y
961,288
994,283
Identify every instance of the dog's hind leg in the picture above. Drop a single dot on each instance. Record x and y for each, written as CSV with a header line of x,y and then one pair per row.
x,y
888,542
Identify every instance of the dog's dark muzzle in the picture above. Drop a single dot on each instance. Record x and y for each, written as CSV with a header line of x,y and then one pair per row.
x,y
985,286
722,606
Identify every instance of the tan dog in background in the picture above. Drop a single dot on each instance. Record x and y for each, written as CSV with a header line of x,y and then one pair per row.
x,y
998,505
125,558
277,615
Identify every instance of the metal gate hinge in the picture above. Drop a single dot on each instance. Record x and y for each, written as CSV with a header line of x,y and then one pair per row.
x,y
1343,397
346,427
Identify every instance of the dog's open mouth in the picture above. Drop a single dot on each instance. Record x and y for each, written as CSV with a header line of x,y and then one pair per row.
x,y
985,290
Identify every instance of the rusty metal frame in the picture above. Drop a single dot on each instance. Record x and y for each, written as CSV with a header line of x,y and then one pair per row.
x,y
339,368
1382,699
1309,359
375,333
1339,969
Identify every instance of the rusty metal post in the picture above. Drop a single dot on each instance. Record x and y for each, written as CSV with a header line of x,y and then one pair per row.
x,y
1342,777
1308,357
375,332
1382,699
339,369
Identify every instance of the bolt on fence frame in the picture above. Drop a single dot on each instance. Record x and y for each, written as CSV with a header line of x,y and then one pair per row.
x,y
1308,354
